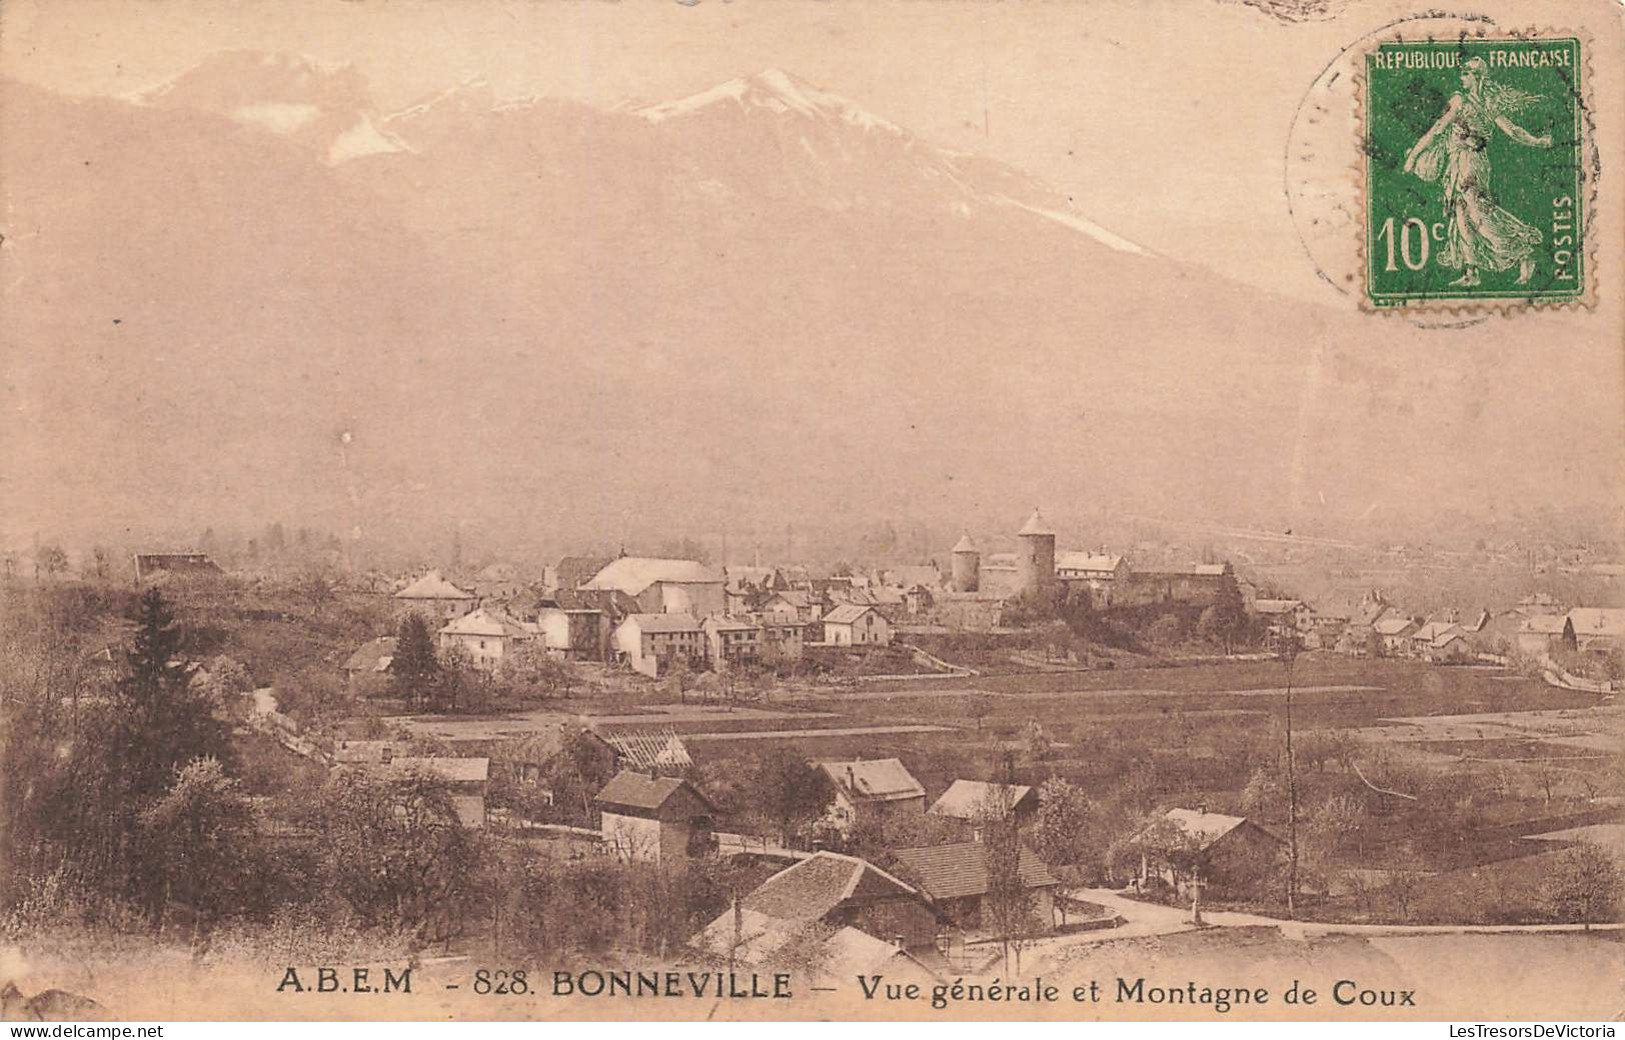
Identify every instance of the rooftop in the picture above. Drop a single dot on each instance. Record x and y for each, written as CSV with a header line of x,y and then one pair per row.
x,y
815,886
959,870
633,574
630,790
970,799
847,613
875,779
432,586
1036,525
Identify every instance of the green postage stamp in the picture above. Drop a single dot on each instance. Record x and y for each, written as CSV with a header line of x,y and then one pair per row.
x,y
1474,181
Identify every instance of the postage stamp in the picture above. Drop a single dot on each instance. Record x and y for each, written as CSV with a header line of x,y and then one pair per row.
x,y
1474,172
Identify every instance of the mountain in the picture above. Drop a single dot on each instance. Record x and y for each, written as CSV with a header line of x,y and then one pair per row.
x,y
327,110
755,305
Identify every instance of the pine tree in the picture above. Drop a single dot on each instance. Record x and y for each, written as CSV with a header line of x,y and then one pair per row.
x,y
162,722
1229,610
415,666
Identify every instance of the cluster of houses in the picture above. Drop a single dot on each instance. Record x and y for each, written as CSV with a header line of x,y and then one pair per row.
x,y
648,612
860,915
1536,627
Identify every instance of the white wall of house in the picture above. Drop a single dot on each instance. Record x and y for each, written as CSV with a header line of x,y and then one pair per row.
x,y
487,652
640,840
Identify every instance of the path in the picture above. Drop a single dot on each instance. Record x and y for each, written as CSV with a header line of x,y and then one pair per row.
x,y
1268,691
1149,919
849,731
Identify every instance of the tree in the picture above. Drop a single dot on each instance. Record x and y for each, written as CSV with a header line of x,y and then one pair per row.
x,y
50,561
530,666
791,793
679,675
1008,902
979,708
1583,885
202,831
415,667
1288,645
394,849
318,589
1229,610
1063,815
1167,630
161,721
456,678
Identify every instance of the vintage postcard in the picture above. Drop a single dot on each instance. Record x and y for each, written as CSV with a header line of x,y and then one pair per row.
x,y
779,511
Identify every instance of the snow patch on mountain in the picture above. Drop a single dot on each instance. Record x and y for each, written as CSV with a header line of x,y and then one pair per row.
x,y
775,91
279,117
364,138
1078,223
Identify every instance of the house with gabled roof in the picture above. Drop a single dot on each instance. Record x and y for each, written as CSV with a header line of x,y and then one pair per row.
x,y
371,658
433,596
488,637
826,891
1395,632
871,790
1595,629
792,604
958,877
653,819
1193,846
466,780
973,802
856,624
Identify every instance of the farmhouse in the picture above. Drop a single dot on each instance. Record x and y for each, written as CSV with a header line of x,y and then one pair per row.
x,y
1186,846
856,625
663,586
957,879
1538,635
972,802
650,642
826,890
1395,633
372,658
467,780
653,819
434,597
1595,629
872,789
487,636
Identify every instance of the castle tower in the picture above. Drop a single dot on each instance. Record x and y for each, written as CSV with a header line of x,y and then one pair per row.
x,y
967,566
1035,560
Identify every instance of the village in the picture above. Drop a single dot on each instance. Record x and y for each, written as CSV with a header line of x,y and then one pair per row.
x,y
922,769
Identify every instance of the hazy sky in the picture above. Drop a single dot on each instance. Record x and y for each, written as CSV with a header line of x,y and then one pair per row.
x,y
1065,90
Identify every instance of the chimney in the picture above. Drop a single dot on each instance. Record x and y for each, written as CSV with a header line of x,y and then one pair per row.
x,y
899,942
389,753
851,778
1201,808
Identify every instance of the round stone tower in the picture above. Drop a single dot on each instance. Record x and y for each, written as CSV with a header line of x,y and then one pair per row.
x,y
1035,560
967,574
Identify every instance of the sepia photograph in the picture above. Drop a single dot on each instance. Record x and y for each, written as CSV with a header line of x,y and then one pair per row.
x,y
812,511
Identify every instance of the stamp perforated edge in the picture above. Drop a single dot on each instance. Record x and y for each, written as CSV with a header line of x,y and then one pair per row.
x,y
1590,179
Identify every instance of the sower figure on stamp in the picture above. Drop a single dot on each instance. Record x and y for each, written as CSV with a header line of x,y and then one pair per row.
x,y
1479,233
